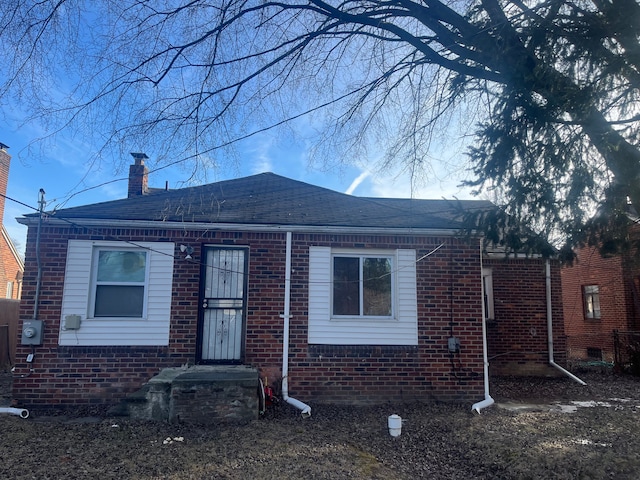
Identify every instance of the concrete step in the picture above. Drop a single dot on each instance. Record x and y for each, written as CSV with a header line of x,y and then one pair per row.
x,y
202,394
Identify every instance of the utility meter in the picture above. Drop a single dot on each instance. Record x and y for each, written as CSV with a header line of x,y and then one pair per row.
x,y
32,332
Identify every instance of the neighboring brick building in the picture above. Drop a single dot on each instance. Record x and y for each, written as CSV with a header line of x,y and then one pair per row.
x,y
600,296
11,264
383,296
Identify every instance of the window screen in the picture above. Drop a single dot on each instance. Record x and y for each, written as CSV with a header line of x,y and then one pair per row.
x,y
120,283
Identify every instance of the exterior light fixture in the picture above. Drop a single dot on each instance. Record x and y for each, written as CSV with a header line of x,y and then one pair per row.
x,y
188,249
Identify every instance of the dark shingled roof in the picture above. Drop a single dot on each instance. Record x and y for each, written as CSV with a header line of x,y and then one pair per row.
x,y
269,199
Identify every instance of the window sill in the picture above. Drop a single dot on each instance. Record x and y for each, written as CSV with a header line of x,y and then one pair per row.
x,y
117,319
364,319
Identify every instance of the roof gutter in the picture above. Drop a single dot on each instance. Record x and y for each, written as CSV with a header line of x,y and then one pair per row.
x,y
248,227
305,410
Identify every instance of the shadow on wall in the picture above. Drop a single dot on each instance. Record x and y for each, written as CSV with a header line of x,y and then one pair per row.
x,y
9,320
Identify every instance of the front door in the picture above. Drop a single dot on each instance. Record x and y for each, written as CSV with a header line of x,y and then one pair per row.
x,y
223,305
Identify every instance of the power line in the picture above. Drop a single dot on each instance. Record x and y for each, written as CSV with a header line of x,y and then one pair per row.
x,y
18,202
177,257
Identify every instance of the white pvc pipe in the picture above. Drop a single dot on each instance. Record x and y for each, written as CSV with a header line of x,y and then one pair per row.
x,y
488,400
550,327
303,407
20,412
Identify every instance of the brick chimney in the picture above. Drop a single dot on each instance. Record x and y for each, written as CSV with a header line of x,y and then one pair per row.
x,y
5,162
138,176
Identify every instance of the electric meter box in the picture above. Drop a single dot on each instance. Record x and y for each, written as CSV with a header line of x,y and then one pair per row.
x,y
32,332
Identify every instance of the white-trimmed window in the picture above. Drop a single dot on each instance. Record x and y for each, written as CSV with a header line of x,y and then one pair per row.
x,y
362,297
120,292
362,285
591,295
119,283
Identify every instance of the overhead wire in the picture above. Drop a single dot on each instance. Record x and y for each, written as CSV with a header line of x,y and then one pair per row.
x,y
140,245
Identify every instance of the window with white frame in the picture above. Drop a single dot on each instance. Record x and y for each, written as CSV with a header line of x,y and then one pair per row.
x,y
362,285
9,290
591,296
121,290
120,278
362,296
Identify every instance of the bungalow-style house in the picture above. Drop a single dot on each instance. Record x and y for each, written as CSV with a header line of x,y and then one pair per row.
x,y
343,299
11,264
601,297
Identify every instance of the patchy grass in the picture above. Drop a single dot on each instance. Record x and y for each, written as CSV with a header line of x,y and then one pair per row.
x,y
438,441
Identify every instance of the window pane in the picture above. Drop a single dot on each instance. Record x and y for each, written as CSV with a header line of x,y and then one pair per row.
x,y
377,286
119,301
121,266
592,301
346,288
596,305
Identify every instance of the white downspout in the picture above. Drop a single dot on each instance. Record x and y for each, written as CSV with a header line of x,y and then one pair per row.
x,y
20,412
488,400
550,328
303,407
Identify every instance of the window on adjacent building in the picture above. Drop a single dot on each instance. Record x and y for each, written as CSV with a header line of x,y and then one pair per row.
x,y
594,353
9,290
120,278
362,286
487,292
591,301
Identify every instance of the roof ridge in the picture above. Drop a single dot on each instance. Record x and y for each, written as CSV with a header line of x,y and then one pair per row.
x,y
267,198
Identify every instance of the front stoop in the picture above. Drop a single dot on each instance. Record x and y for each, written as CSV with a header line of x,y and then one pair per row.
x,y
207,395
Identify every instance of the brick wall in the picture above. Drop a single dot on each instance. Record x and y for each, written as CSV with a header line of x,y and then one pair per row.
x,y
449,303
614,277
517,338
10,271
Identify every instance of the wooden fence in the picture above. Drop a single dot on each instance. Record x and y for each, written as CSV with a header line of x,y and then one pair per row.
x,y
9,319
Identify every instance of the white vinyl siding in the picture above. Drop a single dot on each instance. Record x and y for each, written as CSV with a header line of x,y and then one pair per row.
x,y
401,329
153,329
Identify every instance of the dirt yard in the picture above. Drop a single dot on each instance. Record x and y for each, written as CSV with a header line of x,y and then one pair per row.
x,y
597,438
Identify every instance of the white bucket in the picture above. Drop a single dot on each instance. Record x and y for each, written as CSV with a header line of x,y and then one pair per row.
x,y
395,425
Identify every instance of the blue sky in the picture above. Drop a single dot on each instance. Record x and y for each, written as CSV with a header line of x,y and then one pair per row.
x,y
62,168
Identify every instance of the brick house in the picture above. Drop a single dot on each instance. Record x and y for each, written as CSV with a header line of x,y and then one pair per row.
x,y
11,264
375,300
601,295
